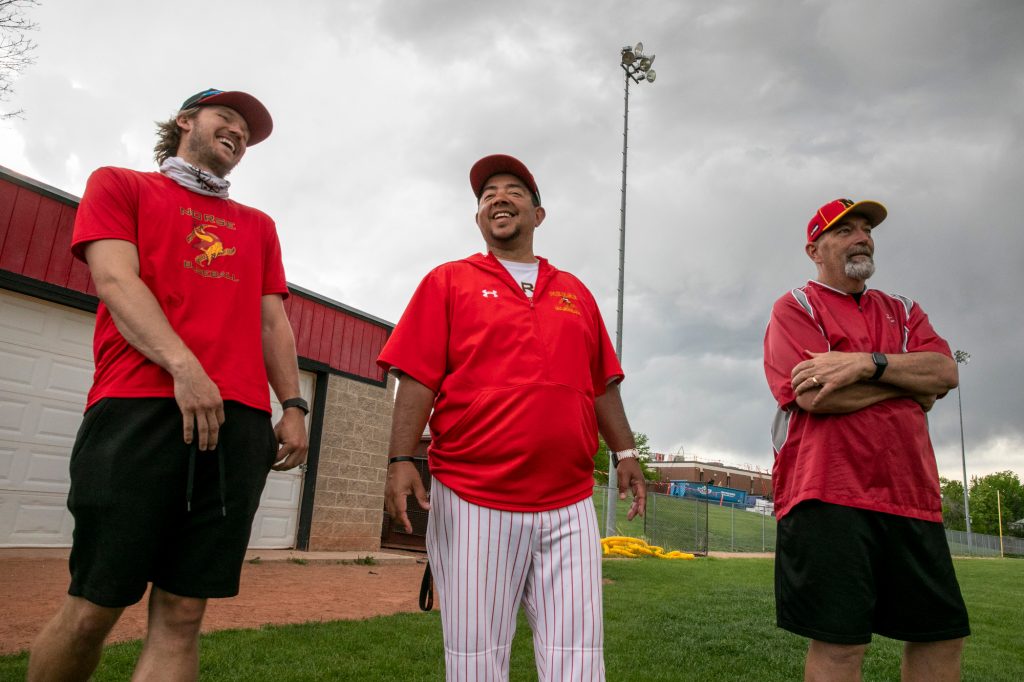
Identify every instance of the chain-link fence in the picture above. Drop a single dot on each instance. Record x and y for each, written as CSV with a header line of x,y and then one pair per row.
x,y
693,525
983,545
699,526
737,528
675,523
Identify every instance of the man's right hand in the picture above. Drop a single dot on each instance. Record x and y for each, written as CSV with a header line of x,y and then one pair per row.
x,y
202,409
403,480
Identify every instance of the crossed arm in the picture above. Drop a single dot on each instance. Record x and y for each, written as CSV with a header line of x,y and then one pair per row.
x,y
838,383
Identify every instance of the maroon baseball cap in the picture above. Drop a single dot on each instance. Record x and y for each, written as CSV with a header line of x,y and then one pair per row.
x,y
252,110
832,212
489,166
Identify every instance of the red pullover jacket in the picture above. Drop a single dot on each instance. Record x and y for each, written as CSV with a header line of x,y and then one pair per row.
x,y
513,426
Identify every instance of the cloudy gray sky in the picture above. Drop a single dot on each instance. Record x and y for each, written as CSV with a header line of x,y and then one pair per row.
x,y
761,112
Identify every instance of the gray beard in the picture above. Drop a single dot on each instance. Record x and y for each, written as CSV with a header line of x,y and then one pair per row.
x,y
860,269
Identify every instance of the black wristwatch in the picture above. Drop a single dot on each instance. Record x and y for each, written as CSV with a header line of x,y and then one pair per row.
x,y
296,402
881,362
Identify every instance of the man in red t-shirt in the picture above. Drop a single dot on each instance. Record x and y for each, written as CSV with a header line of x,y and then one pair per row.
x,y
512,357
861,547
176,444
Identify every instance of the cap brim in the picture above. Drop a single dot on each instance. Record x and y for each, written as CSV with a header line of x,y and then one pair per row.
x,y
872,210
252,110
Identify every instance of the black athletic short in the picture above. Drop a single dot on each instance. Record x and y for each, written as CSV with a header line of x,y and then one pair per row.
x,y
129,483
843,573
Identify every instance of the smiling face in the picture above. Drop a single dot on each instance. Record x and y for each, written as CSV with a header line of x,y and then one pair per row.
x,y
214,139
844,254
506,215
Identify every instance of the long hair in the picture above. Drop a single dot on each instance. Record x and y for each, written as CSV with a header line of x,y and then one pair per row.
x,y
168,135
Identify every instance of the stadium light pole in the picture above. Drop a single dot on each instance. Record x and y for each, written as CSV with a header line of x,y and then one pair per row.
x,y
962,357
637,67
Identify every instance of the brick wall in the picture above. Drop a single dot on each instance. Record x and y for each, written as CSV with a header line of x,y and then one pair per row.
x,y
349,500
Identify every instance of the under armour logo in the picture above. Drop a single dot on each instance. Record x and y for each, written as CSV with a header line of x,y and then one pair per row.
x,y
492,292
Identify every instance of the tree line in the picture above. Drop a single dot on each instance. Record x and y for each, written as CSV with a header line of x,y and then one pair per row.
x,y
981,498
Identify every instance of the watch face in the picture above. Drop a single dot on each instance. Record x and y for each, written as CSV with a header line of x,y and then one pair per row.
x,y
881,362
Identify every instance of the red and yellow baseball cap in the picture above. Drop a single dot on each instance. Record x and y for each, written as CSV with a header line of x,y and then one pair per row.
x,y
252,110
495,164
832,212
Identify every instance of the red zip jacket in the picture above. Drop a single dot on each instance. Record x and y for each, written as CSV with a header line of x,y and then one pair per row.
x,y
513,425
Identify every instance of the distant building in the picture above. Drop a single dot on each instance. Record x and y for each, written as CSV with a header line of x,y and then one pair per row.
x,y
680,468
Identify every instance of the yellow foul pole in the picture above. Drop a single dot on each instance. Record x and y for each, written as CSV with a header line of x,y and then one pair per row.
x,y
999,508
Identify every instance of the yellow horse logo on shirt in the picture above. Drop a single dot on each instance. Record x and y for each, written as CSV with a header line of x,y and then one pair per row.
x,y
208,243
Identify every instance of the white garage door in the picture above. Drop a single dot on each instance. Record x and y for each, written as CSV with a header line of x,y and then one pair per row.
x,y
45,372
277,519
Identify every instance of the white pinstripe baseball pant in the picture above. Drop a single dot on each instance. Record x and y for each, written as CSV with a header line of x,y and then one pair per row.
x,y
486,562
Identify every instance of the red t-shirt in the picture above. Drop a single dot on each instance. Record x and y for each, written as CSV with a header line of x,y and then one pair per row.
x,y
208,262
878,458
514,426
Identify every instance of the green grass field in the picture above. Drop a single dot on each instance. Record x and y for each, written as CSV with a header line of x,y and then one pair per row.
x,y
707,619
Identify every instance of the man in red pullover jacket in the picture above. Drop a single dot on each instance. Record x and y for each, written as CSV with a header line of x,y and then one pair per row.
x,y
861,547
513,358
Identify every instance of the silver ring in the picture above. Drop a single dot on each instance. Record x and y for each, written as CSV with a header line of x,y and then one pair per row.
x,y
303,466
815,380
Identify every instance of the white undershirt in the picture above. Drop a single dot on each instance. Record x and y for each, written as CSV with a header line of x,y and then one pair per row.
x,y
524,273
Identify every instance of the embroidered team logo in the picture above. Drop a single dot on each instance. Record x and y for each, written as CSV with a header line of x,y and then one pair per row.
x,y
489,293
892,320
566,302
208,244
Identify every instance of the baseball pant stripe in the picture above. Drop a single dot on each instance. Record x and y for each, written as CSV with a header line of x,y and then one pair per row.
x,y
488,562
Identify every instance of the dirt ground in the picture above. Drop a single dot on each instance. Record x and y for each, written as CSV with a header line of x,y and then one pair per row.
x,y
31,590
272,592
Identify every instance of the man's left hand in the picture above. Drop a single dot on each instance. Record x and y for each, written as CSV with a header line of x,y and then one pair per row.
x,y
631,477
829,372
294,444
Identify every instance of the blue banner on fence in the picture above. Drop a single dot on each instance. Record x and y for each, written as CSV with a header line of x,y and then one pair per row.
x,y
712,493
